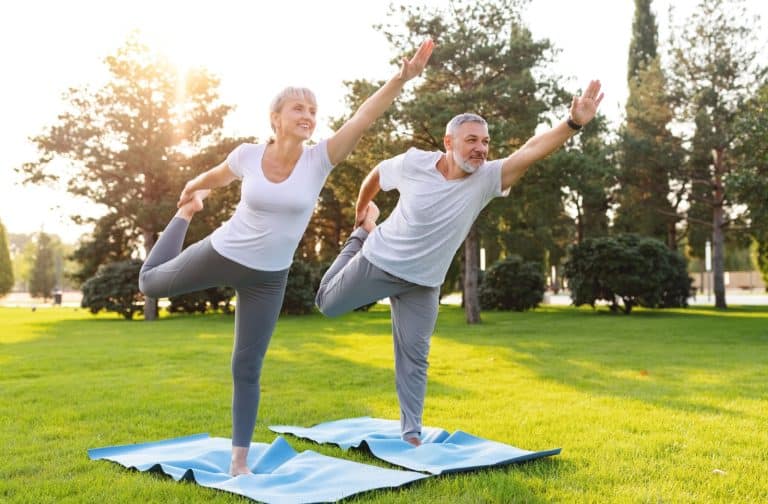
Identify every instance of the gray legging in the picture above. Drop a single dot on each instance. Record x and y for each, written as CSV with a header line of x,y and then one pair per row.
x,y
169,272
352,281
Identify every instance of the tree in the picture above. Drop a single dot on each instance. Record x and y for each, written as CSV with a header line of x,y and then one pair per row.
x,y
649,154
115,287
750,182
483,62
587,173
43,276
127,143
23,257
6,267
714,72
643,45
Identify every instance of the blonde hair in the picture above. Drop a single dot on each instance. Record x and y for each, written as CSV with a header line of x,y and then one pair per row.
x,y
286,94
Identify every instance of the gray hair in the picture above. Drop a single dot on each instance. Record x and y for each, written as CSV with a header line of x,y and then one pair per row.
x,y
286,94
453,124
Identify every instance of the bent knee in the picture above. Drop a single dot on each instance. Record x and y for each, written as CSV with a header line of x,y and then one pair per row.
x,y
146,286
327,309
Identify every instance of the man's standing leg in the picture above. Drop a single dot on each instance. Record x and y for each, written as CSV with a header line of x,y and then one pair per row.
x,y
414,314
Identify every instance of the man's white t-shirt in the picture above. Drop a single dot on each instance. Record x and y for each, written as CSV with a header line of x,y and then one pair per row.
x,y
418,240
270,218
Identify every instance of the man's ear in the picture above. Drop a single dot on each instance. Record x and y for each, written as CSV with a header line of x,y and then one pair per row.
x,y
447,142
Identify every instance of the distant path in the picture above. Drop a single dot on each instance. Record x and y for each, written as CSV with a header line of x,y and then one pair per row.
x,y
72,299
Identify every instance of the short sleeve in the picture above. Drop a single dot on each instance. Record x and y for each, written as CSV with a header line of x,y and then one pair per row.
x,y
320,157
233,161
493,172
390,172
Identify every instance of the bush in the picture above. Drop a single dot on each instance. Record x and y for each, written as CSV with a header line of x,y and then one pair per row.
x,y
303,281
115,287
214,299
511,284
636,270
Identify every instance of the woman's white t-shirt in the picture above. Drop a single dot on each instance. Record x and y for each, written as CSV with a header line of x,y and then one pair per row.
x,y
271,218
418,240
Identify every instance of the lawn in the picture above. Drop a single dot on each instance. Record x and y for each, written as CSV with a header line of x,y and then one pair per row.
x,y
659,406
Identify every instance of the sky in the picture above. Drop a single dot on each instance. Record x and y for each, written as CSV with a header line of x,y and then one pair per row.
x,y
255,48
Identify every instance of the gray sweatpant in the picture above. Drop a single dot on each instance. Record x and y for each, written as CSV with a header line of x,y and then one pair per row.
x,y
169,272
352,281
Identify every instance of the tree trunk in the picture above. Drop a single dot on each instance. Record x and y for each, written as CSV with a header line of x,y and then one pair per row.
x,y
150,304
471,273
718,240
672,235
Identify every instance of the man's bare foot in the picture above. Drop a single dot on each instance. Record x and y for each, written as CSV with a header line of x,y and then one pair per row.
x,y
191,207
414,441
372,213
239,464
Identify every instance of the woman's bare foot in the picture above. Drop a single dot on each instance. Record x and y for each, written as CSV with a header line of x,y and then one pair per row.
x,y
194,205
239,464
372,213
414,441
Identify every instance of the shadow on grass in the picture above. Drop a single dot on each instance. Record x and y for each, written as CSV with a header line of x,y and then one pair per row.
x,y
677,359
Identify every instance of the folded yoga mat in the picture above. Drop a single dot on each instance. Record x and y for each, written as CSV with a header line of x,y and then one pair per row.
x,y
281,475
440,452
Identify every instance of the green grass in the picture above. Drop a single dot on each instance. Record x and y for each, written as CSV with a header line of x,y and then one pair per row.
x,y
645,407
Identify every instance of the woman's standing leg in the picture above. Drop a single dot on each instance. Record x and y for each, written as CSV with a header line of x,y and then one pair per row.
x,y
256,312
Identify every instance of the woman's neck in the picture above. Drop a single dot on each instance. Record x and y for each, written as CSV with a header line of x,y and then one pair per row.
x,y
286,151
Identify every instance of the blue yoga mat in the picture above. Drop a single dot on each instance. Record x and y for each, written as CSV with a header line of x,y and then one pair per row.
x,y
281,475
440,452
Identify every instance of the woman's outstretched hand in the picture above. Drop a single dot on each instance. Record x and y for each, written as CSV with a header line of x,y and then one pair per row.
x,y
413,67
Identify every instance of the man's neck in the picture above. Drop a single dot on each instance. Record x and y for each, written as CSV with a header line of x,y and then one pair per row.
x,y
449,169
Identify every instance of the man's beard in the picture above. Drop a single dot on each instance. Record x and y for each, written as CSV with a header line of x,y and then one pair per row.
x,y
464,164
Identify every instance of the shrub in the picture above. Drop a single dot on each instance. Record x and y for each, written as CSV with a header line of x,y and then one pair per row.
x,y
115,287
636,270
303,281
512,284
213,299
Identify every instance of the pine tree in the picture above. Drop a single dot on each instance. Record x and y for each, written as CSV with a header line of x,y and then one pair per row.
x,y
649,155
43,277
6,267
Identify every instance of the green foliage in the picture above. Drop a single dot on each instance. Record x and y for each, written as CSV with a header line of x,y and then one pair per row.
x,y
639,271
114,288
750,182
762,259
6,267
512,284
303,281
43,275
213,299
111,240
649,157
644,42
586,175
